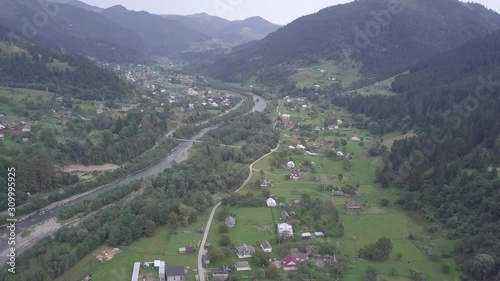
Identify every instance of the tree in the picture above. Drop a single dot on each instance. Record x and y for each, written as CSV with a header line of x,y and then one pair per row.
x,y
215,254
261,258
149,228
223,228
380,250
173,221
272,271
341,177
370,274
482,266
445,269
384,202
225,240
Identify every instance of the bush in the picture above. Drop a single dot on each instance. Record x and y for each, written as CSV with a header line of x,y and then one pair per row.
x,y
445,269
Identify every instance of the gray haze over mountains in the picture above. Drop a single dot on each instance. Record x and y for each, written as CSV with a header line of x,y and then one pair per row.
x,y
277,11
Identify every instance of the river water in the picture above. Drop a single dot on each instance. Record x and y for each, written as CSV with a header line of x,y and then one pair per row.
x,y
179,154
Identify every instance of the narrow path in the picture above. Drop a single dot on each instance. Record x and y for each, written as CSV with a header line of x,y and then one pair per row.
x,y
201,251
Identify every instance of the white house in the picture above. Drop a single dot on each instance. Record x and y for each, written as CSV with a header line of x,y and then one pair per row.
x,y
284,229
271,203
245,251
2,127
290,165
299,146
242,266
339,122
291,147
340,153
266,246
355,138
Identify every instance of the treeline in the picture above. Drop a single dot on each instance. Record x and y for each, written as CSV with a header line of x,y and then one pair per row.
x,y
254,128
142,161
449,172
65,74
175,198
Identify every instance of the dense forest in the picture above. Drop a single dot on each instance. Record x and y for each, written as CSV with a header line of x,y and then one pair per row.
x,y
452,102
175,198
387,37
65,74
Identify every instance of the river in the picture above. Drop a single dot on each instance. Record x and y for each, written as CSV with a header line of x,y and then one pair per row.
x,y
179,154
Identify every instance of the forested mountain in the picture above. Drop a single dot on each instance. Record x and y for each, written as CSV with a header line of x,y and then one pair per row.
x,y
71,28
387,38
162,36
228,32
30,66
450,170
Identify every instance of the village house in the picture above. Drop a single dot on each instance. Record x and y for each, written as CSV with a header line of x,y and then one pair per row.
x,y
285,230
205,259
186,250
340,154
245,251
294,175
319,144
301,147
230,221
265,182
26,128
338,193
242,266
292,261
352,205
290,165
303,172
296,133
355,138
175,273
340,122
271,203
2,127
221,273
266,246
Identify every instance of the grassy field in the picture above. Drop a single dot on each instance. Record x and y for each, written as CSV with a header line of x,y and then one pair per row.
x,y
164,245
390,138
326,73
361,228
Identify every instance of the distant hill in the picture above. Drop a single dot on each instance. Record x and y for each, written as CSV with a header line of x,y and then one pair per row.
x,y
449,171
230,32
26,65
160,36
74,29
411,32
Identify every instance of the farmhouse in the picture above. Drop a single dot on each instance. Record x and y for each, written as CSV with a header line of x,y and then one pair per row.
x,y
305,235
301,147
352,205
355,138
242,266
221,273
245,251
285,230
206,259
175,273
2,127
290,165
266,246
338,193
186,250
230,221
271,203
340,154
291,262
265,182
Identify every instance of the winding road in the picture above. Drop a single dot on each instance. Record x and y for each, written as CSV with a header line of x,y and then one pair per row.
x,y
46,224
201,251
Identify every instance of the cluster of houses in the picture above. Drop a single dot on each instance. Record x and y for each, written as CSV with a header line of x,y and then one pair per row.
x,y
15,130
173,273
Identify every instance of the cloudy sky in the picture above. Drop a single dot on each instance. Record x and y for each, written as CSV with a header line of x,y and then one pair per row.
x,y
277,11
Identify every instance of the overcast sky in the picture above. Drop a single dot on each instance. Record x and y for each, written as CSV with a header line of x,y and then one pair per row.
x,y
277,11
